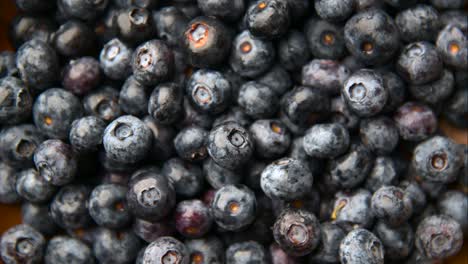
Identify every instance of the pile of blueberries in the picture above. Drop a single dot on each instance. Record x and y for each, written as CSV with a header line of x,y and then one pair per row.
x,y
234,131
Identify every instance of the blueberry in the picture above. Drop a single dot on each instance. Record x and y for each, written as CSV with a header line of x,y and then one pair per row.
x,y
438,159
278,256
81,75
8,64
271,138
56,162
22,244
230,145
73,39
361,246
268,19
127,139
8,194
207,41
34,6
371,36
418,23
209,91
328,249
166,250
54,111
455,109
340,113
297,232
420,63
257,100
416,194
234,207
352,209
152,62
436,91
438,237
107,206
163,136
250,55
400,4
82,9
111,246
191,143
150,195
32,187
451,44
455,205
448,4
396,90
224,9
325,39
455,17
186,178
170,24
152,230
380,134
335,10
62,249
38,64
25,28
326,140
205,250
166,103
193,218
138,3
415,121
18,143
218,176
249,252
391,205
384,172
115,59
296,151
235,114
293,51
69,209
327,75
194,118
86,134
133,97
134,24
38,217
16,101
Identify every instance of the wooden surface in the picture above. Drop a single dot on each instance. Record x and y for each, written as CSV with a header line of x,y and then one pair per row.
x,y
11,214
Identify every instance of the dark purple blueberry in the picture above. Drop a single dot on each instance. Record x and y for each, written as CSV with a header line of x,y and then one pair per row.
x,y
16,101
246,252
191,143
170,24
278,256
116,246
37,216
8,194
194,118
271,138
293,51
81,75
208,250
380,134
353,209
235,114
415,121
325,39
335,10
436,91
74,39
162,147
340,113
187,178
32,187
8,64
416,194
103,103
268,19
193,218
165,104
133,97
63,249
152,230
22,244
223,9
455,110
398,241
166,250
277,78
418,23
218,176
18,143
454,204
69,207
384,172
326,140
451,44
448,4
328,249
326,75
258,100
34,6
361,246
82,9
396,90
27,27
86,134
392,205
108,206
116,59
134,24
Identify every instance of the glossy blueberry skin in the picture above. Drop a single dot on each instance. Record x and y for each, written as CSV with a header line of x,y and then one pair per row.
x,y
371,36
364,92
163,136
415,121
150,195
327,75
134,24
435,92
218,176
56,162
152,62
82,9
246,252
271,138
207,41
328,249
193,218
455,205
62,249
384,172
340,113
107,206
37,216
8,194
32,187
352,168
210,249
165,103
133,98
353,209
257,100
224,9
438,159
297,232
304,106
230,145
54,111
8,64
396,90
151,230
418,23
235,114
336,10
69,207
326,140
380,134
169,23
286,179
17,101
38,64
391,205
453,36
22,244
127,139
191,143
73,39
86,134
438,237
18,143
325,40
397,241
268,21
419,63
250,55
186,178
234,207
361,246
293,51
455,109
209,91
166,250
115,59
111,246
81,75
